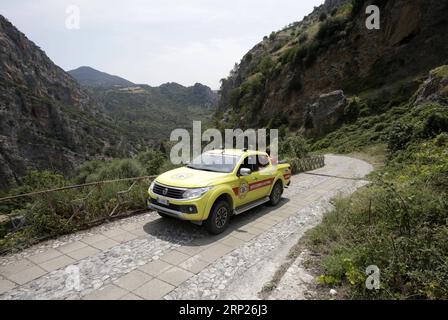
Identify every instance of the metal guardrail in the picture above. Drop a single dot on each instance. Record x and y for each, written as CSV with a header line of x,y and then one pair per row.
x,y
75,187
77,201
307,164
84,202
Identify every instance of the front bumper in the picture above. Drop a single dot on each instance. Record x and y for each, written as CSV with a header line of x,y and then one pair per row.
x,y
192,210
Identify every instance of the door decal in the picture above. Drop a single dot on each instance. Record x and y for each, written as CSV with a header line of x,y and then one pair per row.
x,y
244,188
260,184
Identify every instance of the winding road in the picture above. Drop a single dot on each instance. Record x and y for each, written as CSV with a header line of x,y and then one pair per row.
x,y
147,257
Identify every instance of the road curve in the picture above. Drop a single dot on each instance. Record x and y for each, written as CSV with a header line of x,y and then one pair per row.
x,y
147,257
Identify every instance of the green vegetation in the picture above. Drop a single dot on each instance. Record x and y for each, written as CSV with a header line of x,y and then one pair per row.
x,y
294,147
55,213
398,222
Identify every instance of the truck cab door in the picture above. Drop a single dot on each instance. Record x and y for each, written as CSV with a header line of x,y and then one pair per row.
x,y
244,194
264,177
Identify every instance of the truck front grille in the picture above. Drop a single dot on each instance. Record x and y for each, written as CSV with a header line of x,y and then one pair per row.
x,y
169,192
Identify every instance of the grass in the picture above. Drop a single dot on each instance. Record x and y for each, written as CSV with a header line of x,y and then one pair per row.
x,y
398,222
375,155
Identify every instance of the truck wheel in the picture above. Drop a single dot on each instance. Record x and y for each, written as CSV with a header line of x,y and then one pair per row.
x,y
218,219
276,194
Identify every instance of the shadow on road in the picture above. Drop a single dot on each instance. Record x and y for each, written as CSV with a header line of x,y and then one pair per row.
x,y
187,233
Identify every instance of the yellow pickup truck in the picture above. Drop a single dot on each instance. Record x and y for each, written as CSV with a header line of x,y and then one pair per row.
x,y
218,184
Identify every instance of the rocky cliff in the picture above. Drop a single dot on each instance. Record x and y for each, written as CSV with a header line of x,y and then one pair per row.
x,y
50,121
305,76
47,121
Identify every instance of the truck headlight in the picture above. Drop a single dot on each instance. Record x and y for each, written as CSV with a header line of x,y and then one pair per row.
x,y
152,185
195,193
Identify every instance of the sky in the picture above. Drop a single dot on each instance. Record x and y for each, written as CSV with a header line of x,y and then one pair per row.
x,y
153,41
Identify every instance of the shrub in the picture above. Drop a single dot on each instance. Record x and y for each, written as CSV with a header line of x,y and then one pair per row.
x,y
294,147
322,17
435,124
441,140
86,169
266,65
351,111
397,223
399,137
303,37
121,169
41,180
151,161
328,31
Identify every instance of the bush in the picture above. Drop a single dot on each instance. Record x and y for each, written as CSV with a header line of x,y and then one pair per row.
x,y
121,169
266,65
86,169
328,31
435,124
398,223
115,169
151,161
303,37
41,180
399,137
441,140
322,17
351,111
294,147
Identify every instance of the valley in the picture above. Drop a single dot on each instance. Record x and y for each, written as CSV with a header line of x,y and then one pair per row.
x,y
327,83
51,120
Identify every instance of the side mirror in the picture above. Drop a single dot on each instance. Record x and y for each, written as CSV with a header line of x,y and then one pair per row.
x,y
245,172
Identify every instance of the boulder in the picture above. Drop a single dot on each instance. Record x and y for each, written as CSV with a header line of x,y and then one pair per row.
x,y
327,111
435,88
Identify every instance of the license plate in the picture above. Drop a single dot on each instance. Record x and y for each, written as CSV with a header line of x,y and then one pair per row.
x,y
162,201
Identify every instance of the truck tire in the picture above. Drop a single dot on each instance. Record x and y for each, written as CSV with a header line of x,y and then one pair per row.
x,y
276,193
218,219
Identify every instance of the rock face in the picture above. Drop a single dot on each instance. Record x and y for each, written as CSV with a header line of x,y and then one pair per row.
x,y
327,111
277,82
88,76
47,121
435,88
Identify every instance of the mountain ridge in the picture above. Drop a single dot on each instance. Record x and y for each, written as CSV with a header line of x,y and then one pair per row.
x,y
51,122
283,77
88,76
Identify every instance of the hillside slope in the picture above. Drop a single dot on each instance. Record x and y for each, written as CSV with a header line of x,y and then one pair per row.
x,y
47,120
150,113
304,76
88,76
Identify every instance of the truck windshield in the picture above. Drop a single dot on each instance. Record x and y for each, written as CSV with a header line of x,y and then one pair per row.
x,y
224,163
